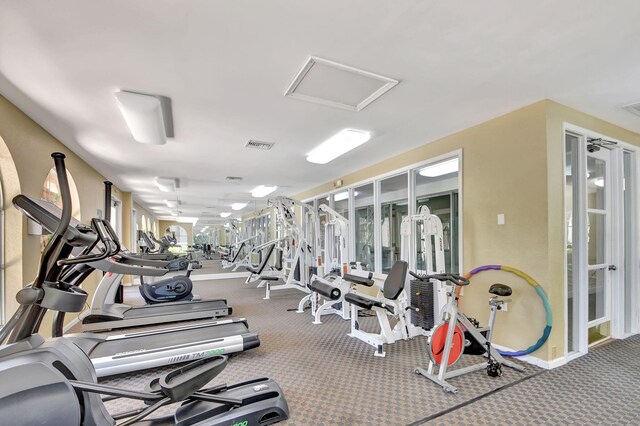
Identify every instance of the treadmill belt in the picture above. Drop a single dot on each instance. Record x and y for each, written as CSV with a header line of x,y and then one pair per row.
x,y
172,308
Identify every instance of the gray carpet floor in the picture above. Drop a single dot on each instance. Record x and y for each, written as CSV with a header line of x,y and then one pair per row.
x,y
331,379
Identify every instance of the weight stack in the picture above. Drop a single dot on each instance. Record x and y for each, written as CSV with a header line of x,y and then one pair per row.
x,y
422,297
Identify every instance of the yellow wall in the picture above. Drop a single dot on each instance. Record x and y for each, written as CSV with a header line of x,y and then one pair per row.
x,y
28,147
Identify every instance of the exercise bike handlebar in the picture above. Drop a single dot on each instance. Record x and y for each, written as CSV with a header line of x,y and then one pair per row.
x,y
453,278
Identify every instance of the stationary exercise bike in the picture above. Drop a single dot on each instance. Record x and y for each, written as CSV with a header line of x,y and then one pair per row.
x,y
171,289
458,334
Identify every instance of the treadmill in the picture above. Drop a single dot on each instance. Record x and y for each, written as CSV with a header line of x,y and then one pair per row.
x,y
128,352
104,314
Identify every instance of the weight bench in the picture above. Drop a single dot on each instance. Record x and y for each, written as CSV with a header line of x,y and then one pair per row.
x,y
390,301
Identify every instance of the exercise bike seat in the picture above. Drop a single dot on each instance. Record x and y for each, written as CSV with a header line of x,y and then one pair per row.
x,y
500,289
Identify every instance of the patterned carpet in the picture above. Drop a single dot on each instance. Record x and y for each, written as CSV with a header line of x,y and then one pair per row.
x,y
332,379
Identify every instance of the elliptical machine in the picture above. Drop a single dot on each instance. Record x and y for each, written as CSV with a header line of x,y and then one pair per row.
x,y
54,382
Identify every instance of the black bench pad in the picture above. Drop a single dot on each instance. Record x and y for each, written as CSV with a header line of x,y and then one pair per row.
x,y
269,278
326,290
362,302
359,280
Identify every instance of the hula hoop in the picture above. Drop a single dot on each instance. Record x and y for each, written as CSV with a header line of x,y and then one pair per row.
x,y
541,294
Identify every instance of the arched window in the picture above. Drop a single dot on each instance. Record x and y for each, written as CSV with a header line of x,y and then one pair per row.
x,y
154,228
51,192
178,235
149,225
143,225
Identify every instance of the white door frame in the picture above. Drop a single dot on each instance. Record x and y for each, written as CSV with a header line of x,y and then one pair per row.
x,y
616,250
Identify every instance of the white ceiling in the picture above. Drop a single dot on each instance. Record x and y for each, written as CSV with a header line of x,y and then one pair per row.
x,y
226,65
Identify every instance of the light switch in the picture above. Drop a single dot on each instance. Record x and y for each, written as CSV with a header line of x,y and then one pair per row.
x,y
500,218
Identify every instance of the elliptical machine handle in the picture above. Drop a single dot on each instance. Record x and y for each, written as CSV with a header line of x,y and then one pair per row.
x,y
110,246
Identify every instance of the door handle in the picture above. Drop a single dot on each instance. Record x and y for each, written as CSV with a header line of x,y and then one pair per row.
x,y
612,267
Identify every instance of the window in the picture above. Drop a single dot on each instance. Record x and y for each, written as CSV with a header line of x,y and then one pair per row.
x,y
341,203
394,206
363,225
436,186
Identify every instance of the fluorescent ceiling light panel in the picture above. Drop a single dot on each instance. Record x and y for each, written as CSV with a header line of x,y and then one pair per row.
x,y
337,85
262,191
167,184
439,169
238,206
172,203
187,219
225,214
341,196
338,145
148,116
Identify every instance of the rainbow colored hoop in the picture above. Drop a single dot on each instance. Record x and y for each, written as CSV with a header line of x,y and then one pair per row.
x,y
541,294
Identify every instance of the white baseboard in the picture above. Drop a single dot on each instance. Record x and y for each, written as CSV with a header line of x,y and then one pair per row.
x,y
530,359
220,276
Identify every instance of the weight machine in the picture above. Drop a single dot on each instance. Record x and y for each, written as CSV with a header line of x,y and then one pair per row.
x,y
328,289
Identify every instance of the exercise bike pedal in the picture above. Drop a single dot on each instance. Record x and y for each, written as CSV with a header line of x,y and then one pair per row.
x,y
494,369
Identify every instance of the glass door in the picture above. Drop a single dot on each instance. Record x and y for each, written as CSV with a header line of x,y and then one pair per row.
x,y
598,244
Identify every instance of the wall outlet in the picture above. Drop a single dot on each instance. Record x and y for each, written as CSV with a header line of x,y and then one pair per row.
x,y
505,307
500,218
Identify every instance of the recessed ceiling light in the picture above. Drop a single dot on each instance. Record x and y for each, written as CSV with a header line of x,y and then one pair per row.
x,y
599,182
167,184
238,206
148,116
225,214
187,219
172,203
439,169
337,145
338,85
263,190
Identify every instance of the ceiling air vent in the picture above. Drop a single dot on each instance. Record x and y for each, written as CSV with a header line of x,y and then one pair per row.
x,y
337,85
259,144
634,108
234,179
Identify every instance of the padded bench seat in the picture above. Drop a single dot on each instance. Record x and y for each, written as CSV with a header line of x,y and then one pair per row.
x,y
362,302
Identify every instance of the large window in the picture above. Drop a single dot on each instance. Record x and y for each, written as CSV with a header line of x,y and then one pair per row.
x,y
436,186
394,206
363,224
377,208
341,203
